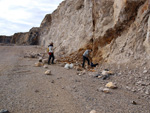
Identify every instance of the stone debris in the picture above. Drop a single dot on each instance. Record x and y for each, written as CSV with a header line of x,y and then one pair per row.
x,y
45,61
31,55
45,66
40,59
48,72
4,111
106,90
68,66
134,103
145,71
107,72
93,111
38,64
147,92
111,85
81,73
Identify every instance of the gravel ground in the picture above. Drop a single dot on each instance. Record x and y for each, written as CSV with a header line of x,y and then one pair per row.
x,y
26,89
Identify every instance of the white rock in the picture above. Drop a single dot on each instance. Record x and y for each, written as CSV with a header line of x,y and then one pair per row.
x,y
147,92
45,66
71,66
106,90
145,71
48,72
93,111
67,66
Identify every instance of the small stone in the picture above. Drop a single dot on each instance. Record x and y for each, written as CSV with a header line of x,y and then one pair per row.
x,y
36,91
93,111
40,59
134,103
111,85
4,111
106,90
67,66
52,81
145,71
147,92
48,72
45,61
39,64
45,66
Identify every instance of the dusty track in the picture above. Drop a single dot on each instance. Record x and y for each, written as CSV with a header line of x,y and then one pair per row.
x,y
25,89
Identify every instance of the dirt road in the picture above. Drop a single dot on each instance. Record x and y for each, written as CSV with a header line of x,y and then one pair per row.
x,y
25,89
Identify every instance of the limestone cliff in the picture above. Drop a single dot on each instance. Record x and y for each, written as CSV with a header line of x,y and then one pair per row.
x,y
116,30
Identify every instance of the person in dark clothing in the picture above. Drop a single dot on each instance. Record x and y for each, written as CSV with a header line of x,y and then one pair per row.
x,y
85,57
51,53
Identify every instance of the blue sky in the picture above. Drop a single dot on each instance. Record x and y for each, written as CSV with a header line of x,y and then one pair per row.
x,y
22,15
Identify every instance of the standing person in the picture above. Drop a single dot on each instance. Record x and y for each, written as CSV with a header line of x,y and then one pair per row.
x,y
51,53
85,57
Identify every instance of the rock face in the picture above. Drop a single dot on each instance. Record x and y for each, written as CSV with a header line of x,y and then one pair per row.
x,y
5,39
28,38
116,30
113,29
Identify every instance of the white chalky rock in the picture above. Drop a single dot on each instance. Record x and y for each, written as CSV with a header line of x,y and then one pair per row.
x,y
48,72
67,66
71,66
93,111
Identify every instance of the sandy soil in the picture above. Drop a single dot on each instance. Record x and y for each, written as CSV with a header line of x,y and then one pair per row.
x,y
26,89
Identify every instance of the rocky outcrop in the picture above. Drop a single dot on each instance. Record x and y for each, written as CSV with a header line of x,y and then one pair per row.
x,y
117,31
28,38
5,39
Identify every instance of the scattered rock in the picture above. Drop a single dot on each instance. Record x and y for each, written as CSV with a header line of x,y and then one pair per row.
x,y
107,72
134,103
40,59
71,66
68,66
81,73
38,64
4,111
52,81
93,111
147,92
45,61
106,90
48,72
36,91
111,85
145,71
45,66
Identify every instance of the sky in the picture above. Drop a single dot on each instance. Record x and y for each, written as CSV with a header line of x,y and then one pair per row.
x,y
22,15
